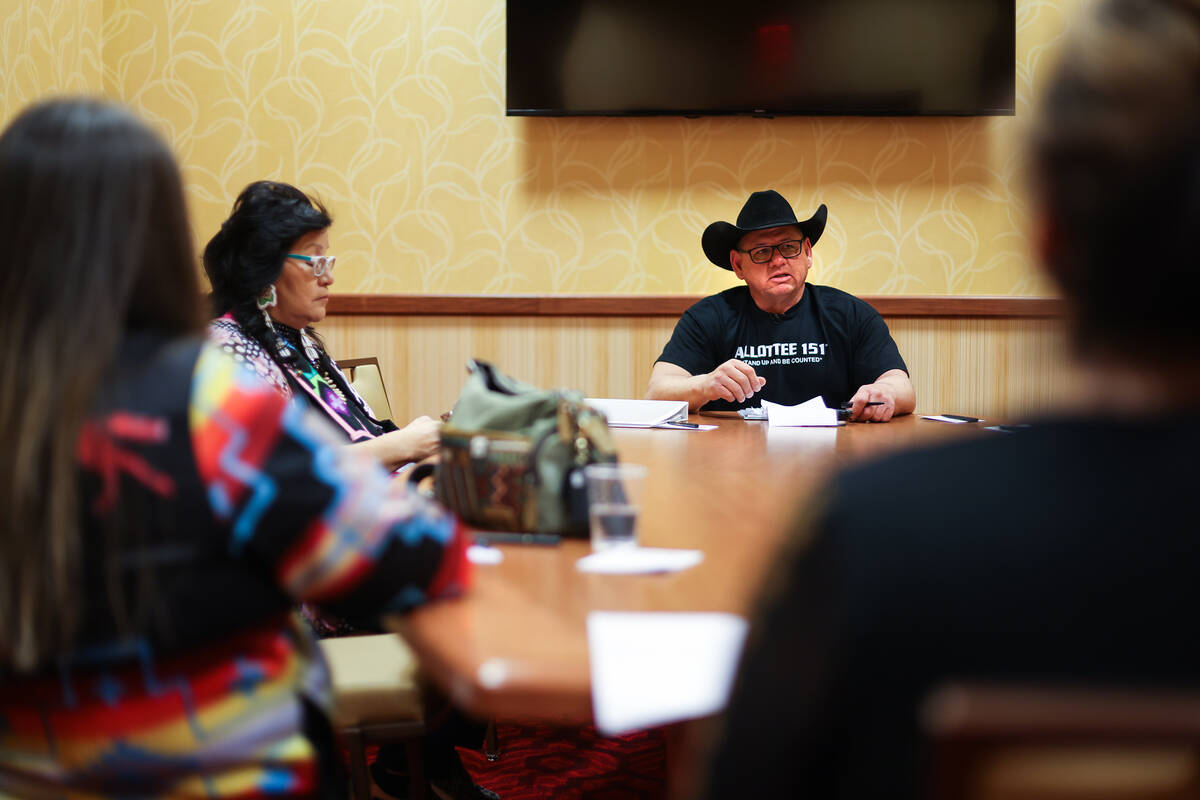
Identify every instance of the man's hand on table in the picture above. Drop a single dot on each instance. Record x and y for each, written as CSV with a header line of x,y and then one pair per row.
x,y
893,390
734,381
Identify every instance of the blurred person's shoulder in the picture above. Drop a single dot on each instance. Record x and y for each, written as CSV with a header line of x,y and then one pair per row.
x,y
1057,470
149,364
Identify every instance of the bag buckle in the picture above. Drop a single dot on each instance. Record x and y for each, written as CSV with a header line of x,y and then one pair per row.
x,y
478,447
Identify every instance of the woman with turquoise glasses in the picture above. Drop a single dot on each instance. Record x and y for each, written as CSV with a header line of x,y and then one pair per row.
x,y
271,274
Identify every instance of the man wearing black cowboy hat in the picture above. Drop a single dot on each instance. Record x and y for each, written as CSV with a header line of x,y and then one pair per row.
x,y
779,338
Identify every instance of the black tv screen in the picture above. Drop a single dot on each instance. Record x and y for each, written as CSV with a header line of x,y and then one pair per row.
x,y
764,57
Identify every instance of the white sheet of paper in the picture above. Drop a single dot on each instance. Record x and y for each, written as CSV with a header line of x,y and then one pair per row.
x,y
482,554
624,412
639,560
653,668
940,418
810,412
675,427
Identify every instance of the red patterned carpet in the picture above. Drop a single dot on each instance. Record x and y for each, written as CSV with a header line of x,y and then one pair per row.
x,y
539,762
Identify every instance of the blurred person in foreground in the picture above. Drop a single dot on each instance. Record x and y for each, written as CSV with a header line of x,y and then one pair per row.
x,y
1063,554
271,273
162,508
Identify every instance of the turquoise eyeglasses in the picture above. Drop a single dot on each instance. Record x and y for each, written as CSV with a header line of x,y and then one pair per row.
x,y
318,264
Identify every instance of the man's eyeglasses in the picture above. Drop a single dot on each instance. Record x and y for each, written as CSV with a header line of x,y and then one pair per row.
x,y
318,264
788,249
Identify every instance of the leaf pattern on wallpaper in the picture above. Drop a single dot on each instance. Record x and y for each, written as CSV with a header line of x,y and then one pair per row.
x,y
47,47
392,111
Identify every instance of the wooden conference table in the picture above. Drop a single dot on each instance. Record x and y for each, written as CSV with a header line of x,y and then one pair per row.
x,y
516,645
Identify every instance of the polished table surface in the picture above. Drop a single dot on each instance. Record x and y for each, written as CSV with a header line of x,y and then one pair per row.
x,y
516,645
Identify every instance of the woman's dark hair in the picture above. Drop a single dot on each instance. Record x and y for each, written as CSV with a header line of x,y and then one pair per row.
x,y
97,244
247,254
1116,172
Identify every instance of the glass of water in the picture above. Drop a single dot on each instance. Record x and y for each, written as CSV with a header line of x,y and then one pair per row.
x,y
614,499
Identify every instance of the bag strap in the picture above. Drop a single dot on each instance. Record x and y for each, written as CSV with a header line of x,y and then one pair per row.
x,y
492,378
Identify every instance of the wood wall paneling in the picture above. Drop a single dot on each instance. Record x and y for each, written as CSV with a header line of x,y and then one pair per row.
x,y
664,305
992,366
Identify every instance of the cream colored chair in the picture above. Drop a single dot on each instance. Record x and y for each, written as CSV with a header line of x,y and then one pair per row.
x,y
377,699
1014,743
367,379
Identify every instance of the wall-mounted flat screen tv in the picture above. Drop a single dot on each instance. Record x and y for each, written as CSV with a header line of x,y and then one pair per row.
x,y
763,57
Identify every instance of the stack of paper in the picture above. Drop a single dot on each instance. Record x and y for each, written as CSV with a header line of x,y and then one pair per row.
x,y
810,412
626,413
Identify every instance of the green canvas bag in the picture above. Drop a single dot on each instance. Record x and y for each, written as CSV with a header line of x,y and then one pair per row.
x,y
512,455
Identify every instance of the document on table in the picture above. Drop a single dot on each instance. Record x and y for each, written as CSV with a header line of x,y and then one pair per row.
x,y
627,413
623,412
654,668
812,412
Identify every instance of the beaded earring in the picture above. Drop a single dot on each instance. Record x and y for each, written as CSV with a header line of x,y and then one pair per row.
x,y
269,299
310,347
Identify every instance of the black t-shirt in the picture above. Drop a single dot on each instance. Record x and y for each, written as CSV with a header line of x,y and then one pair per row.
x,y
828,344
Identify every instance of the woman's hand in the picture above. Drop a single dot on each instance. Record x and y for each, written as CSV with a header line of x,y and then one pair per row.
x,y
415,441
420,438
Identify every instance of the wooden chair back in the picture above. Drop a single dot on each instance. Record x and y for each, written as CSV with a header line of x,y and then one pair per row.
x,y
1017,743
367,379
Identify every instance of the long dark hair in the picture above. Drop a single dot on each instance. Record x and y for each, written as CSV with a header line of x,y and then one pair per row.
x,y
98,243
247,254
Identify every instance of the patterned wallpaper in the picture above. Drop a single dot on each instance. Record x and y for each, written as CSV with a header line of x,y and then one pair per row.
x,y
392,111
47,47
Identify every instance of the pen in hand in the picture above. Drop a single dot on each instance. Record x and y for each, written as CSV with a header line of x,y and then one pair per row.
x,y
848,405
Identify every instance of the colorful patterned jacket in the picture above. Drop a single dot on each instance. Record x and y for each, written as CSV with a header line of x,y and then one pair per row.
x,y
212,506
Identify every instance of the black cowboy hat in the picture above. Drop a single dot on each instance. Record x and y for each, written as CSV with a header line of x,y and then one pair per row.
x,y
763,210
